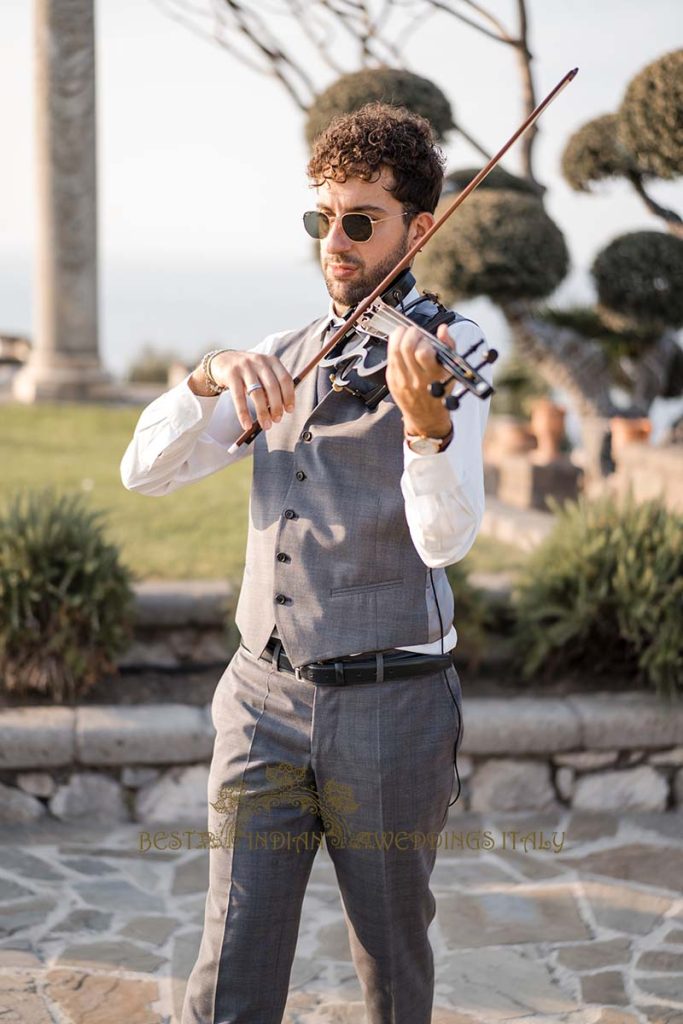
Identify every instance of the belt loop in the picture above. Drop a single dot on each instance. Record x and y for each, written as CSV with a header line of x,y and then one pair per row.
x,y
277,651
339,673
380,667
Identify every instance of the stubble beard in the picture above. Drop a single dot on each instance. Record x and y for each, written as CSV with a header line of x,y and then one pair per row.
x,y
350,293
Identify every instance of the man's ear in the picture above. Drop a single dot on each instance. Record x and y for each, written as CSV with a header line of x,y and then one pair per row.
x,y
419,225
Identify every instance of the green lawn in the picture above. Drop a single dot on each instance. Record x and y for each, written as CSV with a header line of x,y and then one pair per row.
x,y
196,532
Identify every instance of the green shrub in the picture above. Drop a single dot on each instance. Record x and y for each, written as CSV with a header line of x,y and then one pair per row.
x,y
471,614
604,593
651,116
501,244
593,153
65,599
497,179
639,280
385,85
150,366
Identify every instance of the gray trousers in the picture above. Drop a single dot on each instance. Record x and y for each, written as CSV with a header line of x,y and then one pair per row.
x,y
370,767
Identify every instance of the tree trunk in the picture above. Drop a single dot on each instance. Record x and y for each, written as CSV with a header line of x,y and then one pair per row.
x,y
658,372
579,366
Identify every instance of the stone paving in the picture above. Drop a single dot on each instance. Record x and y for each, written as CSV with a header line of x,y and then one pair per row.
x,y
589,930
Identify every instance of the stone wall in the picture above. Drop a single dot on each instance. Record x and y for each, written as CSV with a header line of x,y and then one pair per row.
x,y
182,623
604,752
651,471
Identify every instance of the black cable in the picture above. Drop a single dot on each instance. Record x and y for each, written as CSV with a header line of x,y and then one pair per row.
x,y
455,750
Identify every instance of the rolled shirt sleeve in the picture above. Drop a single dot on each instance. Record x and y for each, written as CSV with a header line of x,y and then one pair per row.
x,y
444,493
181,437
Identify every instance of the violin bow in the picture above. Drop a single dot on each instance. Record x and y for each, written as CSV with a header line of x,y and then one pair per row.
x,y
248,435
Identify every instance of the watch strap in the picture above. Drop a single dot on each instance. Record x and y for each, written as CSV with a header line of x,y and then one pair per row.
x,y
443,442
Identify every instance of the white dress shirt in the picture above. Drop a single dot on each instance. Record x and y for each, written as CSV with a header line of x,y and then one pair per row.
x,y
181,437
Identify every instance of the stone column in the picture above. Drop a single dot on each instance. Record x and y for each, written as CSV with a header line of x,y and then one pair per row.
x,y
65,362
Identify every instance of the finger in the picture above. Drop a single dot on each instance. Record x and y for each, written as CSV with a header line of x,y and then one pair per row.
x,y
443,334
258,397
271,392
397,371
286,384
425,358
418,358
239,397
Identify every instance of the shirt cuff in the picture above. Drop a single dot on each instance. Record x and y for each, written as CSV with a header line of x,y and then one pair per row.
x,y
431,474
185,409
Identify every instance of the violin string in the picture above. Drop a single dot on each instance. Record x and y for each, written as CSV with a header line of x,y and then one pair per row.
x,y
467,375
396,319
446,353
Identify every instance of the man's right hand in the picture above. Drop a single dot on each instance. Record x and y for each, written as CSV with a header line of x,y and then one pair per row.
x,y
240,369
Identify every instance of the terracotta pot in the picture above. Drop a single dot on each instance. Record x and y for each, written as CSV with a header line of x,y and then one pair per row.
x,y
547,426
629,430
509,436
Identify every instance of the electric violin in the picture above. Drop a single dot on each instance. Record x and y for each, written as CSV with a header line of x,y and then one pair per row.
x,y
377,315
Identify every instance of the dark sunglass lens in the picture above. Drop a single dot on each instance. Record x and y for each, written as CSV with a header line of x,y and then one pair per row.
x,y
316,223
357,226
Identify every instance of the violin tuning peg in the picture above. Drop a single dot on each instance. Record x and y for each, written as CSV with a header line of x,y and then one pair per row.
x,y
491,355
452,402
437,389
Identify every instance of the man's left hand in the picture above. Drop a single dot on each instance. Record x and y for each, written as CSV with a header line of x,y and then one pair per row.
x,y
412,366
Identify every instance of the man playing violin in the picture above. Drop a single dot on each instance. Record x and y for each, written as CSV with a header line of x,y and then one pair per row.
x,y
339,718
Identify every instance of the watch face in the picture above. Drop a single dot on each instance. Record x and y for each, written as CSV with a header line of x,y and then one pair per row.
x,y
425,445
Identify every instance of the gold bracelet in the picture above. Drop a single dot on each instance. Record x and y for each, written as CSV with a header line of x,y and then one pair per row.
x,y
211,381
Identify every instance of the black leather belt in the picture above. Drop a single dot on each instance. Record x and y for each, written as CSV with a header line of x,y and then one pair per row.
x,y
359,668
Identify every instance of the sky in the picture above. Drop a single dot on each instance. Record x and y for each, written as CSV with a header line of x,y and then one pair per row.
x,y
201,179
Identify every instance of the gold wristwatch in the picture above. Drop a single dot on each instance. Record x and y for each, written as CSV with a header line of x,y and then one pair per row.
x,y
421,444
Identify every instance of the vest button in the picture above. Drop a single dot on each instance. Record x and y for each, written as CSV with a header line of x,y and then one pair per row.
x,y
282,557
300,475
307,436
290,513
281,598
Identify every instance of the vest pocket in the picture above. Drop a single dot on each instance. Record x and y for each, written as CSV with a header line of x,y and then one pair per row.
x,y
365,588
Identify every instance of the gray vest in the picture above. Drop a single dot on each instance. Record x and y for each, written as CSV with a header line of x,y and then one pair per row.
x,y
329,557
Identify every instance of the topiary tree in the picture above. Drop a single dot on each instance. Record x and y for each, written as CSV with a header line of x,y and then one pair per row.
x,y
594,153
644,139
627,338
497,179
386,85
65,597
650,119
639,280
502,244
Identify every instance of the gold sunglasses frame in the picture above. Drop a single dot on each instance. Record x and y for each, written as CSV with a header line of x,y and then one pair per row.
x,y
350,213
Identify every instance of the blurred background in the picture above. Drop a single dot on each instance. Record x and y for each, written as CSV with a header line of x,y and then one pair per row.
x,y
201,158
153,182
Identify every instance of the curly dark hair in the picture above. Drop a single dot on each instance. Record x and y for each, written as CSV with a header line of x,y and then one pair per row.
x,y
357,145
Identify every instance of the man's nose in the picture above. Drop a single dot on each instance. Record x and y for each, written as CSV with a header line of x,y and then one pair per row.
x,y
337,240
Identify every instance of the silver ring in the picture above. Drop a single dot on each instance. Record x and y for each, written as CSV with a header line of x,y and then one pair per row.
x,y
253,387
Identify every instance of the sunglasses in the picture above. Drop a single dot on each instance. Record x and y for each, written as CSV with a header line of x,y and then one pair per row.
x,y
357,226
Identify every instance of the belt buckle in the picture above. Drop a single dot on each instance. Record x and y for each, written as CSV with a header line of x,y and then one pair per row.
x,y
297,674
